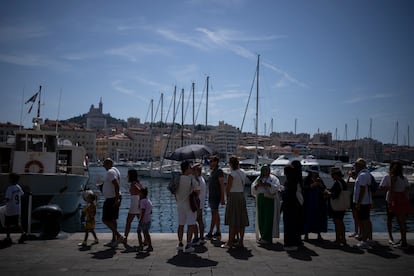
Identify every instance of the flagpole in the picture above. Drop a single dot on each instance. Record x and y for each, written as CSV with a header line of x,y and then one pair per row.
x,y
21,110
38,102
57,118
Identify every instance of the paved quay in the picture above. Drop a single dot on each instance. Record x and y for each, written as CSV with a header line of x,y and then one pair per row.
x,y
63,256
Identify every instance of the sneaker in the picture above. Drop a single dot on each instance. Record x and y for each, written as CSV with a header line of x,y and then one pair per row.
x,y
189,249
120,239
353,235
109,244
202,241
397,242
363,245
195,242
209,236
261,241
149,248
114,245
217,235
82,243
180,246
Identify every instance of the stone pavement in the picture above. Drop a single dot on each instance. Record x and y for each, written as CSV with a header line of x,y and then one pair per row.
x,y
62,256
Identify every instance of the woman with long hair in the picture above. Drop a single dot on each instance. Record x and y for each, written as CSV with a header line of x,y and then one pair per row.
x,y
236,209
134,210
398,203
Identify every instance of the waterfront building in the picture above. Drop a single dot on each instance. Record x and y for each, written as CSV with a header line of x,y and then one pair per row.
x,y
224,139
142,144
118,147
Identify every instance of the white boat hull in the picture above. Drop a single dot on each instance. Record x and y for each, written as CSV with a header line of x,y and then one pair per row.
x,y
63,190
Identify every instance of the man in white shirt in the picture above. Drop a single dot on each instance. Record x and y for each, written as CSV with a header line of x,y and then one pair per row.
x,y
110,211
363,200
185,214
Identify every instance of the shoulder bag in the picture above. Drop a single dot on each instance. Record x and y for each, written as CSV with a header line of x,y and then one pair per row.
x,y
342,202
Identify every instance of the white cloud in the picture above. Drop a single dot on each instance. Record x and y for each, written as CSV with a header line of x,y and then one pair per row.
x,y
382,96
168,34
28,30
33,60
136,51
117,86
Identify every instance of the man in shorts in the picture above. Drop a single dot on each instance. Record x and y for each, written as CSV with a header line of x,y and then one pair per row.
x,y
362,199
110,211
215,196
185,215
13,208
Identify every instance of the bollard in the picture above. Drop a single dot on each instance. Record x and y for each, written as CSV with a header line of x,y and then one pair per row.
x,y
50,217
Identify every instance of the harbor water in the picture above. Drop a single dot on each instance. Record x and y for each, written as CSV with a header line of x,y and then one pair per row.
x,y
164,213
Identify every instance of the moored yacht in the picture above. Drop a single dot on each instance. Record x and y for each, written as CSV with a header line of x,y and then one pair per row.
x,y
51,169
323,166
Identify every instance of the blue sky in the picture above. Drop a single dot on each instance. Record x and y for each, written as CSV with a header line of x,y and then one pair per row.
x,y
326,64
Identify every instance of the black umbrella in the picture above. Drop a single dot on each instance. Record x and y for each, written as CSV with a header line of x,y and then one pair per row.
x,y
190,152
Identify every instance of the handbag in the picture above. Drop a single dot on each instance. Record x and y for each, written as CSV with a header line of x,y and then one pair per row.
x,y
194,201
342,202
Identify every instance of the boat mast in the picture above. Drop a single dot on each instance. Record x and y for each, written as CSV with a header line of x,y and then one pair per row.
x,y
162,106
257,110
207,100
182,117
205,137
192,136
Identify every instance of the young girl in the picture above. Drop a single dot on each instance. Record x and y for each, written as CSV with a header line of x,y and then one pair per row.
x,y
145,219
89,212
134,209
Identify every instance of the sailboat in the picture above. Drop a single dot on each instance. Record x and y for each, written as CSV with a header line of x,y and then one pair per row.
x,y
251,167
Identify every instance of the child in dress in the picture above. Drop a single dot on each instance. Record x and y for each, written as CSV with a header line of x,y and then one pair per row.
x,y
145,219
89,212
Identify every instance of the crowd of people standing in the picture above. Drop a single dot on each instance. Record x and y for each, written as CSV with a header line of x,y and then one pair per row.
x,y
304,204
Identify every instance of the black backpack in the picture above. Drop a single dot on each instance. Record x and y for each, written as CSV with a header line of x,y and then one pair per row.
x,y
174,183
374,185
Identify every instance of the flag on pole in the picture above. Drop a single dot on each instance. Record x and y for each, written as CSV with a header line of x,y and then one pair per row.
x,y
32,99
30,109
